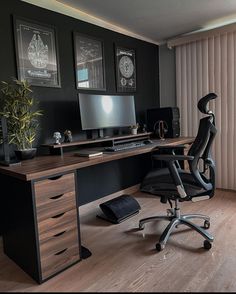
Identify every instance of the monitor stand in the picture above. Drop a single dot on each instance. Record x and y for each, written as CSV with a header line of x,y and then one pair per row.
x,y
100,133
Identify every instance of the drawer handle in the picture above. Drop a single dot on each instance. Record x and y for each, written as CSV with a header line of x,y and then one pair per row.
x,y
55,178
59,234
56,197
58,215
60,252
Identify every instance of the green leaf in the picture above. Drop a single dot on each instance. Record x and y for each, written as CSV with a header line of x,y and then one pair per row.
x,y
17,105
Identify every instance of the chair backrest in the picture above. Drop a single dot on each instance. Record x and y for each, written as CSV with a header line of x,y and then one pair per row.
x,y
201,147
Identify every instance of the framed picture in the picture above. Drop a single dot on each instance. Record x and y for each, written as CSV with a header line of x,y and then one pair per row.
x,y
36,53
89,62
125,70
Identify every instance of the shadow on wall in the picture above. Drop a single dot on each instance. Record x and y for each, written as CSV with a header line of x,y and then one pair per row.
x,y
59,116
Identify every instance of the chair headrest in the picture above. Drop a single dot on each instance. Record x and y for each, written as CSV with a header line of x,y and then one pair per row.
x,y
203,103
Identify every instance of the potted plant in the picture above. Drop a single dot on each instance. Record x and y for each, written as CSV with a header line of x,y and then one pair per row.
x,y
134,129
20,110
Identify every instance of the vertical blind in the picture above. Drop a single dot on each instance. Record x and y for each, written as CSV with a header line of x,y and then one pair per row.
x,y
204,66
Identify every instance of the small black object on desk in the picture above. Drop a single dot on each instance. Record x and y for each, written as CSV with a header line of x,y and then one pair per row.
x,y
148,142
68,136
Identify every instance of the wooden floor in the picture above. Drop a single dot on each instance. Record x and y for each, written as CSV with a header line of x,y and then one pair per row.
x,y
125,260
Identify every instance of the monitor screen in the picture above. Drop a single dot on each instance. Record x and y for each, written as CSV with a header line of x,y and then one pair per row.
x,y
106,111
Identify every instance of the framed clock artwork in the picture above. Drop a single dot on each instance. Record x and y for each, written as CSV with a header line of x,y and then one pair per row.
x,y
125,70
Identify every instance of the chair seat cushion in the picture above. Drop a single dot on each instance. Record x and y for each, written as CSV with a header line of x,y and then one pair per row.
x,y
159,182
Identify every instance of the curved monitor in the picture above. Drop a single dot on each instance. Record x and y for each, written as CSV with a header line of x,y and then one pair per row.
x,y
106,111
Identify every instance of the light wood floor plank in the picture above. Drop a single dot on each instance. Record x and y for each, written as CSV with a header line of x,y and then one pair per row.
x,y
124,259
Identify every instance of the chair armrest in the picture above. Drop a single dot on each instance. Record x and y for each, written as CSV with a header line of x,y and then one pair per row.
x,y
174,172
171,157
171,150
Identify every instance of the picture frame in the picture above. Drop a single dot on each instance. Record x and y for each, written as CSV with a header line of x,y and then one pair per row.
x,y
125,69
89,62
36,50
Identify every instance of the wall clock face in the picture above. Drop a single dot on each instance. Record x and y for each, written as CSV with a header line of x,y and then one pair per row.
x,y
126,66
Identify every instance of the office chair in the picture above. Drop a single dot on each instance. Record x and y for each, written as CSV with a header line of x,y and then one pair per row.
x,y
174,184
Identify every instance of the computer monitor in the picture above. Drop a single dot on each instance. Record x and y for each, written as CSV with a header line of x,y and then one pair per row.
x,y
106,111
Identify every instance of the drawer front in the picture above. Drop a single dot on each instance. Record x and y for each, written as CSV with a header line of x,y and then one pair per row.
x,y
53,187
58,261
58,242
55,206
58,224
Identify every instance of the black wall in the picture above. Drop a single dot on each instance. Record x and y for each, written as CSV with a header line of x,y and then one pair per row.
x,y
60,104
167,76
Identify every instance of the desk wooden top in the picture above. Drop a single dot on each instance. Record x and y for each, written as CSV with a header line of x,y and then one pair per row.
x,y
48,165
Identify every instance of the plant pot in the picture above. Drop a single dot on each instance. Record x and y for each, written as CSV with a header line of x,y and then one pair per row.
x,y
25,154
134,131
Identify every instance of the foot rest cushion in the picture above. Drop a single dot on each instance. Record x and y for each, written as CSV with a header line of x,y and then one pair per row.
x,y
119,209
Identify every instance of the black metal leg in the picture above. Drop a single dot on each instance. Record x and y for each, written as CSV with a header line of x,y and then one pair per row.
x,y
168,230
153,218
201,231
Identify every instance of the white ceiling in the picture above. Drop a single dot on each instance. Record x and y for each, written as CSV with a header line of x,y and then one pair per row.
x,y
159,20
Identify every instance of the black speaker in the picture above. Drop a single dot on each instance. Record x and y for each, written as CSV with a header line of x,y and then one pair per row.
x,y
119,209
170,115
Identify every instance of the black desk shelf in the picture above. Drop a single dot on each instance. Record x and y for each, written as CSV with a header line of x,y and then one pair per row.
x,y
56,149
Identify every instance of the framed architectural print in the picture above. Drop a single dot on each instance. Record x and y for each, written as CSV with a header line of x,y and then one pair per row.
x,y
125,70
89,62
36,53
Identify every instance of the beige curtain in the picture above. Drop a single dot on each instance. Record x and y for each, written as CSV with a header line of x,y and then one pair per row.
x,y
203,66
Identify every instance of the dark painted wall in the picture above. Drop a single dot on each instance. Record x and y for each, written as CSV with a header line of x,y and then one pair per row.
x,y
167,76
60,104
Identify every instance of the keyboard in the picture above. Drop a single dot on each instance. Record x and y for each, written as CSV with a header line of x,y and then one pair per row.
x,y
125,146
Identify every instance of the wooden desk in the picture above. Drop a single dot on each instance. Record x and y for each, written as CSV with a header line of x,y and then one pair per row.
x,y
40,210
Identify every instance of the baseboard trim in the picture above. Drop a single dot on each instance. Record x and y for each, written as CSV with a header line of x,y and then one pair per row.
x,y
130,190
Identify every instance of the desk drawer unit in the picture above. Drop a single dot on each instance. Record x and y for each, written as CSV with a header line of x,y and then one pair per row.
x,y
57,222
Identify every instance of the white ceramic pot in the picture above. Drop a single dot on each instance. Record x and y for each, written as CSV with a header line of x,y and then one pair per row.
x,y
134,131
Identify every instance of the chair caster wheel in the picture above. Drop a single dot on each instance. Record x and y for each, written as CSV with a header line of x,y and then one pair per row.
x,y
141,227
160,247
206,224
207,245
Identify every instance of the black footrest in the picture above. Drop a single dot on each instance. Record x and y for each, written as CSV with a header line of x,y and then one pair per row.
x,y
119,209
